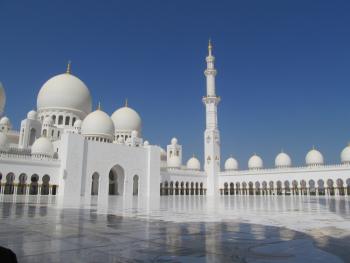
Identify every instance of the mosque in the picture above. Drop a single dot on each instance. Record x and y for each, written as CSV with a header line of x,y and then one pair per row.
x,y
65,149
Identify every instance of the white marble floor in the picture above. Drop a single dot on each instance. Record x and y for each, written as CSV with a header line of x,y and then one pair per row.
x,y
177,229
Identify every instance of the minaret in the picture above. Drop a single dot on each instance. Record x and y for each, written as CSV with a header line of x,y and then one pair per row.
x,y
211,134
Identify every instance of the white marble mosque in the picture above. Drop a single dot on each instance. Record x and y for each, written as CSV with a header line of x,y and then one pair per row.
x,y
65,148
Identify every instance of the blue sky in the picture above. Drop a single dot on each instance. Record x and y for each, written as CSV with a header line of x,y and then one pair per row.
x,y
283,67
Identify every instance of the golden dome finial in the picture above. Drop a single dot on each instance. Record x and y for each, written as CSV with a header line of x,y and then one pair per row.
x,y
69,67
210,47
99,106
126,102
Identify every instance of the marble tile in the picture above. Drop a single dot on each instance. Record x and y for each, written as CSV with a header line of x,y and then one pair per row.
x,y
179,229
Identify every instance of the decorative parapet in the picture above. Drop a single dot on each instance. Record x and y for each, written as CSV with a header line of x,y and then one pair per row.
x,y
26,157
180,172
296,169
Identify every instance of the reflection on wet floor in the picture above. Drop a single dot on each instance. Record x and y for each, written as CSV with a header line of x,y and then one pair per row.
x,y
177,229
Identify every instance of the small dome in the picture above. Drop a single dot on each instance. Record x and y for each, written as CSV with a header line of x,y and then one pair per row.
x,y
145,143
78,123
43,147
65,91
174,162
193,164
126,119
345,155
5,121
314,158
231,164
283,160
98,124
173,141
48,121
2,98
255,162
4,147
32,115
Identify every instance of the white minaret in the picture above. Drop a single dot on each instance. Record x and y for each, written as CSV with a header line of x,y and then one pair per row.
x,y
211,134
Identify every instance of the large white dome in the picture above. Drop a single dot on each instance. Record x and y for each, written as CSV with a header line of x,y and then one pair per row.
x,y
64,91
193,164
126,119
283,160
98,124
43,147
314,158
255,162
345,155
2,98
231,164
4,147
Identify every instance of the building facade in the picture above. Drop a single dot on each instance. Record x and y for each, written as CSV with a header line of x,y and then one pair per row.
x,y
66,149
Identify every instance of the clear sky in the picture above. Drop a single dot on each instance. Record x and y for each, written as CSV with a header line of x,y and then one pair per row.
x,y
283,67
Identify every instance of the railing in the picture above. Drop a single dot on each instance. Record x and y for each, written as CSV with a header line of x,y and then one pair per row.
x,y
14,156
285,169
174,171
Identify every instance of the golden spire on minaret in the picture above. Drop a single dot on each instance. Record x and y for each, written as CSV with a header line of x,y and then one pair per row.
x,y
210,47
126,102
69,67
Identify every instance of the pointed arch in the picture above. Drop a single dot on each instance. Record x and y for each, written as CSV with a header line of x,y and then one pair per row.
x,y
22,187
135,185
32,135
95,182
232,189
116,180
33,189
45,186
166,188
9,185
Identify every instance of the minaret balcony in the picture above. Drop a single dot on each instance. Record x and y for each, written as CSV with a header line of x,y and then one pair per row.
x,y
211,99
210,72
